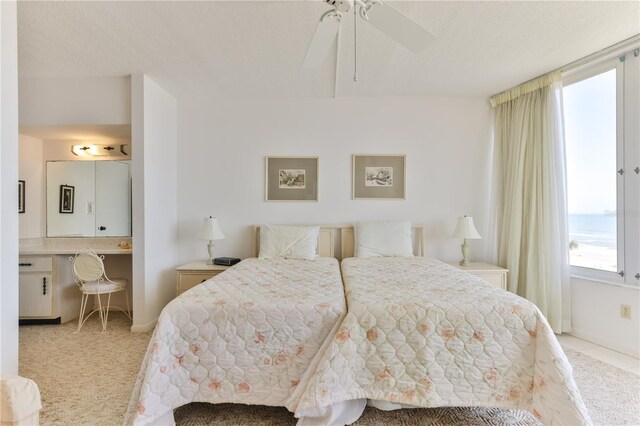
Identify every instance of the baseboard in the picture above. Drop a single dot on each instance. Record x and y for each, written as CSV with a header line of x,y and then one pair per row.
x,y
144,327
604,341
39,321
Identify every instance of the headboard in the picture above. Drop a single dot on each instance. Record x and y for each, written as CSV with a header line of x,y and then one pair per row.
x,y
348,241
326,240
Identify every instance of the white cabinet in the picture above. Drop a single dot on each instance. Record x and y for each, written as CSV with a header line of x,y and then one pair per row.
x,y
48,293
494,275
37,287
192,274
36,295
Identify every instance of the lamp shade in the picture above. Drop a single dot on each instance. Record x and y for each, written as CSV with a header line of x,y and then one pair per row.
x,y
210,230
465,229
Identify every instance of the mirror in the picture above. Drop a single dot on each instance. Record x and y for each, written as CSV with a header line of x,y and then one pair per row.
x,y
88,199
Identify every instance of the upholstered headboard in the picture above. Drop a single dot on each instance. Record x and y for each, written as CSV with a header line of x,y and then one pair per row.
x,y
348,241
326,240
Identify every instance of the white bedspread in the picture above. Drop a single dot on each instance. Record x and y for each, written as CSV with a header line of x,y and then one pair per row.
x,y
245,336
423,333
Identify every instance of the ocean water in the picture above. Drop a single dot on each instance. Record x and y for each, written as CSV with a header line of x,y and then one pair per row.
x,y
594,238
597,230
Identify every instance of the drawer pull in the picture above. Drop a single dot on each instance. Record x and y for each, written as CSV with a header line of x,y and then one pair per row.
x,y
25,264
44,286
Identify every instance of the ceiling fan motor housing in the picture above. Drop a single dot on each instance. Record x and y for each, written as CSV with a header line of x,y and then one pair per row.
x,y
343,6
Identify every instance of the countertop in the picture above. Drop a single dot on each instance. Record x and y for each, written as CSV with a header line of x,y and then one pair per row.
x,y
52,246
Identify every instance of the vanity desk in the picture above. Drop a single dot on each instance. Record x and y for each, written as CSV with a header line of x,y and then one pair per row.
x,y
87,206
48,292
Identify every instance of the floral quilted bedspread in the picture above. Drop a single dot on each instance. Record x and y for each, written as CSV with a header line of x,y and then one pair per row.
x,y
423,333
245,336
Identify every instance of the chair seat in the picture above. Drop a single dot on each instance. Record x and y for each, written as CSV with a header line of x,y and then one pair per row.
x,y
105,287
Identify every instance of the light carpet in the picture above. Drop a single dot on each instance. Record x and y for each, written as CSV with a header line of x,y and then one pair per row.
x,y
87,379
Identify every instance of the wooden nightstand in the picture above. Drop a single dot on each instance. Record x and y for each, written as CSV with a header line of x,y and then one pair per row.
x,y
194,273
494,275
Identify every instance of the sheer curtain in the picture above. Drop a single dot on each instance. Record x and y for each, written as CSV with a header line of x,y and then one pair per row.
x,y
530,195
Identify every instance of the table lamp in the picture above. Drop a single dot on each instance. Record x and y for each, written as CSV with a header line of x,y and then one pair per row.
x,y
210,231
467,231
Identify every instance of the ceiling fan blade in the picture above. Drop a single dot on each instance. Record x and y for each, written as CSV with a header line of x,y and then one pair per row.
x,y
322,41
399,27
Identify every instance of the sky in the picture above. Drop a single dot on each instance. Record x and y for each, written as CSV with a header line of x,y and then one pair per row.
x,y
590,131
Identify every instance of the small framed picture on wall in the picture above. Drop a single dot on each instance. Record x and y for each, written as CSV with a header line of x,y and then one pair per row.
x,y
20,196
378,177
291,179
67,194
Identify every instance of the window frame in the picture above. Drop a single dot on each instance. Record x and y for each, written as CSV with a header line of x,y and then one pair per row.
x,y
586,73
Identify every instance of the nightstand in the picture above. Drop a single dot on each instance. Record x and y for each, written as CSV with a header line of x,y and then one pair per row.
x,y
194,273
494,275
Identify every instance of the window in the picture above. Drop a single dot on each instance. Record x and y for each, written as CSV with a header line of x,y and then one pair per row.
x,y
590,132
601,180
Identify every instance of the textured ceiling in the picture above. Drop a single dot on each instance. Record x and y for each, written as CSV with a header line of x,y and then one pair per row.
x,y
255,49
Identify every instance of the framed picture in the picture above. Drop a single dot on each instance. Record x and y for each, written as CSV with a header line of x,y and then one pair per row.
x,y
291,179
378,177
20,196
67,193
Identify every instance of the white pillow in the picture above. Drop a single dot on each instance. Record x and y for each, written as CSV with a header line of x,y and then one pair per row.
x,y
290,242
383,238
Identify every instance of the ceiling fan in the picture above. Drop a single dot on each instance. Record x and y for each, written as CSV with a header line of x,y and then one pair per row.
x,y
379,14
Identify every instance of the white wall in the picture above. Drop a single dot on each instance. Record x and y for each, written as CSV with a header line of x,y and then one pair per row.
x,y
62,102
154,135
31,170
75,101
596,315
223,144
8,189
33,156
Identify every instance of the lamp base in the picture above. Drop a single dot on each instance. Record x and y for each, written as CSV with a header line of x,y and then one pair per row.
x,y
465,251
210,248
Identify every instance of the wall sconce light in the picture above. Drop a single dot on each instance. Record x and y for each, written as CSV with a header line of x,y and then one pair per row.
x,y
97,150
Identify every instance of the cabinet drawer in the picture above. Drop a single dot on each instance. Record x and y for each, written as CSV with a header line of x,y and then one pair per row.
x,y
187,280
495,279
35,264
36,295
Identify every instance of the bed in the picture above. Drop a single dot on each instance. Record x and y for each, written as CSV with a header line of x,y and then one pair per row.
x,y
421,333
245,336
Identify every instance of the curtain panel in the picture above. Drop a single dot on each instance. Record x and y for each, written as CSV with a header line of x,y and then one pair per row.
x,y
530,195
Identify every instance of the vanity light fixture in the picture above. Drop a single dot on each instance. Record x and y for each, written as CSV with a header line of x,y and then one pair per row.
x,y
466,230
210,231
96,150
